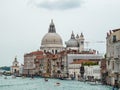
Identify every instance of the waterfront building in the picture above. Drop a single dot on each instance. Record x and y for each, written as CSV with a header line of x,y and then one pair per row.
x,y
38,61
15,67
45,66
54,65
91,70
113,56
104,70
32,62
60,63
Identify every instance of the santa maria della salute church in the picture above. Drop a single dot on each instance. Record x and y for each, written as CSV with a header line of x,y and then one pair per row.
x,y
54,60
52,41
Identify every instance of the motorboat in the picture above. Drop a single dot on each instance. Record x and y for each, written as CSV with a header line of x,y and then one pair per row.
x,y
94,83
45,79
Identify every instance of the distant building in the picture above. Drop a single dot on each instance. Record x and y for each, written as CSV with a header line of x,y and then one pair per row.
x,y
75,43
15,67
113,56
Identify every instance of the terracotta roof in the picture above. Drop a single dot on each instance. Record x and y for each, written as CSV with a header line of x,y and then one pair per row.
x,y
39,57
81,61
37,53
76,52
34,53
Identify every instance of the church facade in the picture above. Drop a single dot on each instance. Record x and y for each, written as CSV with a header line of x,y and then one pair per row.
x,y
15,67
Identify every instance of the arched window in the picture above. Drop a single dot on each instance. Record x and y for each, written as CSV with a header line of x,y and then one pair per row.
x,y
114,38
15,70
82,42
52,51
55,51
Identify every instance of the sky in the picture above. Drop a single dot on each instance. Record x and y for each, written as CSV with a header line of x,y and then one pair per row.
x,y
23,23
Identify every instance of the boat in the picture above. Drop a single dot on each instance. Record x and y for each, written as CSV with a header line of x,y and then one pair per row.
x,y
94,83
5,77
62,78
57,84
45,79
13,76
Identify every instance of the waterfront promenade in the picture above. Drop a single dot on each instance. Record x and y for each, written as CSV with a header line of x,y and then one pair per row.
x,y
20,83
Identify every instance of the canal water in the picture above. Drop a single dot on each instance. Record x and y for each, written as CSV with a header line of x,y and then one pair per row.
x,y
20,83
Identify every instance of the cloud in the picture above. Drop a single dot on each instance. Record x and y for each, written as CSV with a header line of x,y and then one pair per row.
x,y
56,4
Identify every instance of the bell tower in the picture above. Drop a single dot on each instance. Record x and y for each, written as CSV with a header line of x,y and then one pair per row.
x,y
81,43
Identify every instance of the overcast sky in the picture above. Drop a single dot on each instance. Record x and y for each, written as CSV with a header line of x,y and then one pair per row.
x,y
23,23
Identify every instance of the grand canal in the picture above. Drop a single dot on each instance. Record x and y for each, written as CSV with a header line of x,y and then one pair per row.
x,y
20,83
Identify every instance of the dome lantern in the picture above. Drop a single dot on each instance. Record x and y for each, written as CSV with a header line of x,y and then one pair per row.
x,y
52,28
72,35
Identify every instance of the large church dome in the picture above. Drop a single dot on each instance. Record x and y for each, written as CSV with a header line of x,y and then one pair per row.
x,y
51,39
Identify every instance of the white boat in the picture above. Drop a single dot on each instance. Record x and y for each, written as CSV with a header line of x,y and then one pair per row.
x,y
94,83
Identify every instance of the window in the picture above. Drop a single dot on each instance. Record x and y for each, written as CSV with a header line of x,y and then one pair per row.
x,y
113,65
55,51
108,62
15,70
114,38
82,42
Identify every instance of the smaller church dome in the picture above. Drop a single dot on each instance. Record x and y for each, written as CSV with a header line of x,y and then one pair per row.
x,y
72,42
